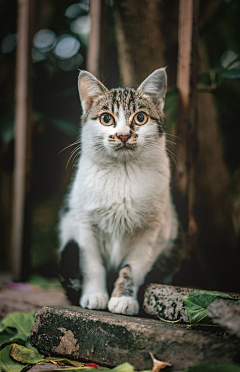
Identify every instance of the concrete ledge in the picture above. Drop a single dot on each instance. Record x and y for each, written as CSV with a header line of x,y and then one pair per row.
x,y
110,339
15,300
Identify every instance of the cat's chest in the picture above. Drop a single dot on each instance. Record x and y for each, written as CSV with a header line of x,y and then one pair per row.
x,y
116,198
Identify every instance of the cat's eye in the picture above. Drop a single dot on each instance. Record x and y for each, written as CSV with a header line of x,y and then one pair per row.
x,y
106,119
140,118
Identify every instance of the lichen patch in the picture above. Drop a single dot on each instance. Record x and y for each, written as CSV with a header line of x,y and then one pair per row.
x,y
68,344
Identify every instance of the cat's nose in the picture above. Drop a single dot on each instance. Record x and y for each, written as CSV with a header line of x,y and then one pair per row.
x,y
124,138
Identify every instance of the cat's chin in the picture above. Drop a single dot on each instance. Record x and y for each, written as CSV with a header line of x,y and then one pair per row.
x,y
125,148
124,153
128,147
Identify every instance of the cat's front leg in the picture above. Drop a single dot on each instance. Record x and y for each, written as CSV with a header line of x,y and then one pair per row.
x,y
142,254
94,292
123,299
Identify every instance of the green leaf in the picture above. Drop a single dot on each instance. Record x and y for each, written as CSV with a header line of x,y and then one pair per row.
x,y
24,355
233,73
5,336
208,367
196,304
13,340
125,367
71,369
7,363
29,346
18,325
21,321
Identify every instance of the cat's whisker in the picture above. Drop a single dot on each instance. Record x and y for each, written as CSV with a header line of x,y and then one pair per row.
x,y
75,159
172,135
72,144
172,156
76,150
174,143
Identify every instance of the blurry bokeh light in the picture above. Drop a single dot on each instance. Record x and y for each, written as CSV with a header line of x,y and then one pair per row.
x,y
44,40
229,59
8,44
63,51
81,26
77,9
66,47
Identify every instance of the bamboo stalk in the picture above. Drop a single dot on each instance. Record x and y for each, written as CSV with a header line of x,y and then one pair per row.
x,y
186,124
185,31
93,58
21,119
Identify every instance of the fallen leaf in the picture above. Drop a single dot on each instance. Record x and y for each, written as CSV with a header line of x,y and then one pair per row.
x,y
5,336
22,322
157,364
29,346
48,367
70,362
125,367
7,364
24,355
196,304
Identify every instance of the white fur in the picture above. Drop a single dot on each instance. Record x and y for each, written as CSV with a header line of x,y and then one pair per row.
x,y
123,305
120,210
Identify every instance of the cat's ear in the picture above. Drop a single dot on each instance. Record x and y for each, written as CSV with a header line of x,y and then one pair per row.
x,y
155,86
89,88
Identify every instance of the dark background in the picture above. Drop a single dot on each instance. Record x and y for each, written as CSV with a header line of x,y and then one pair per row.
x,y
150,29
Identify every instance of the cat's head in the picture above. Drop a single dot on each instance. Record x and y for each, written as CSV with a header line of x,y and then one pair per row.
x,y
122,123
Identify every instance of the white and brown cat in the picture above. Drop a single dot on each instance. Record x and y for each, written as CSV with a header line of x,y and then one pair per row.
x,y
118,214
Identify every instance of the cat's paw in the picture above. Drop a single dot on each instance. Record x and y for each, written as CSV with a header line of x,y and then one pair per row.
x,y
123,305
97,301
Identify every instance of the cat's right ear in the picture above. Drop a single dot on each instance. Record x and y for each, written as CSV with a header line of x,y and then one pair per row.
x,y
89,88
155,86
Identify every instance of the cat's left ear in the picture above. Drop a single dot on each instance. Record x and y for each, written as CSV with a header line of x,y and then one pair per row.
x,y
89,88
155,86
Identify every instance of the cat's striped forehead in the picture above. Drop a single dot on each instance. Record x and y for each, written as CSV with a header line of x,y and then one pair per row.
x,y
129,99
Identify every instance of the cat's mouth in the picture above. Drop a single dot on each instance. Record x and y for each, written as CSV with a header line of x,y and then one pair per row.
x,y
125,147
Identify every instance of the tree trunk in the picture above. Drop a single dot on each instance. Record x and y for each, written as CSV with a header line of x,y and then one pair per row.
x,y
143,38
147,34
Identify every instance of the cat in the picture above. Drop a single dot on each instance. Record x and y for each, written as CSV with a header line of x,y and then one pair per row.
x,y
118,213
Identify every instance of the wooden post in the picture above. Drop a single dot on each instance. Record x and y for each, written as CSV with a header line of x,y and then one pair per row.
x,y
22,134
95,39
186,123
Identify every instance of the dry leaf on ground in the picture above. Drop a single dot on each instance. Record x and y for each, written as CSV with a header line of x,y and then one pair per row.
x,y
157,364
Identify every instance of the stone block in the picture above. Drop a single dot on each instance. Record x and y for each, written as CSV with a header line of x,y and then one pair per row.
x,y
165,301
109,339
